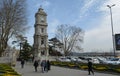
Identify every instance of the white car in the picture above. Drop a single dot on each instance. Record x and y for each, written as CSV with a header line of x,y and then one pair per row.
x,y
95,60
64,59
102,60
114,61
82,60
73,59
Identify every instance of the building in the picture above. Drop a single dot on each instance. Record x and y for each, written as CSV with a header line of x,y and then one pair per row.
x,y
40,37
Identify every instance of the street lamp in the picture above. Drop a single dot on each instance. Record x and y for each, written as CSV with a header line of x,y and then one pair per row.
x,y
23,41
110,7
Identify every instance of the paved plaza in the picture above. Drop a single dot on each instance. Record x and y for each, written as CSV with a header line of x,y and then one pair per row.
x,y
28,70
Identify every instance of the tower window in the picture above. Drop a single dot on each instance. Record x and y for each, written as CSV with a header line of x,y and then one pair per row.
x,y
42,52
42,30
42,41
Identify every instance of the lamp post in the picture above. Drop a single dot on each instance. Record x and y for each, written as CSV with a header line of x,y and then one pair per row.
x,y
113,39
23,41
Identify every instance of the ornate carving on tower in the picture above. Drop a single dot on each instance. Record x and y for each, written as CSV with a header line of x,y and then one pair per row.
x,y
40,36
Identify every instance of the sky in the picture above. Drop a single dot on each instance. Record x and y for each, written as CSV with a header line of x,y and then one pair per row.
x,y
93,16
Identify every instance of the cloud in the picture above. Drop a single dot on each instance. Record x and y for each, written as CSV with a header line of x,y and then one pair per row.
x,y
46,3
100,37
84,9
43,3
52,26
88,4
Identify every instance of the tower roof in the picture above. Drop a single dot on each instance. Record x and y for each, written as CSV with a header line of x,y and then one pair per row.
x,y
41,11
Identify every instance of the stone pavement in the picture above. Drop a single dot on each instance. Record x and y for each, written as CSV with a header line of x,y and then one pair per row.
x,y
28,70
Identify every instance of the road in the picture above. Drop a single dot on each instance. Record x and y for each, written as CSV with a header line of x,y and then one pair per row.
x,y
28,70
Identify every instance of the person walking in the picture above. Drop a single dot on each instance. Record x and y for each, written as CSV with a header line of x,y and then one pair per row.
x,y
33,59
48,65
35,65
90,67
22,63
43,65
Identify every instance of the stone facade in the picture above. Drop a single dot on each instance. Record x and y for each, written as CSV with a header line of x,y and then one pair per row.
x,y
40,37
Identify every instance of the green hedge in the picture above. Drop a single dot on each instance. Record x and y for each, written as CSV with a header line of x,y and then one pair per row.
x,y
98,67
6,70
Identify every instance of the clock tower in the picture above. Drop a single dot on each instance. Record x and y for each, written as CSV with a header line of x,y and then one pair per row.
x,y
40,37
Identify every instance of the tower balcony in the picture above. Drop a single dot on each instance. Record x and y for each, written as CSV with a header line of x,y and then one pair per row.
x,y
41,34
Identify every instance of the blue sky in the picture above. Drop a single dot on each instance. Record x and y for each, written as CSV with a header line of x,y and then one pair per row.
x,y
91,15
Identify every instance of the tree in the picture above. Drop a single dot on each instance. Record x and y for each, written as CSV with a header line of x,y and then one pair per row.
x,y
54,52
53,43
12,21
26,51
71,37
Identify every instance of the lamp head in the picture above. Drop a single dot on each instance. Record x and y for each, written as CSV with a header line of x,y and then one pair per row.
x,y
110,6
113,5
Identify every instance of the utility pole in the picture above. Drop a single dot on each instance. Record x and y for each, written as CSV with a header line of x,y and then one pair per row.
x,y
113,36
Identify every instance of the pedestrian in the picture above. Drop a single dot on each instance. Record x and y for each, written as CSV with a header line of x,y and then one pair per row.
x,y
35,65
48,65
90,67
43,66
33,59
22,63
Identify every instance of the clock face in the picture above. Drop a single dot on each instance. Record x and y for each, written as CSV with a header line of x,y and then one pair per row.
x,y
42,19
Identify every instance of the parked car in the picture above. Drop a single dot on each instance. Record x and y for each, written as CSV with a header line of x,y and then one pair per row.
x,y
64,59
114,61
102,60
74,59
82,60
95,60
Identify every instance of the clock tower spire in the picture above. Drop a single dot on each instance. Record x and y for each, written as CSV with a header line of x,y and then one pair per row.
x,y
40,37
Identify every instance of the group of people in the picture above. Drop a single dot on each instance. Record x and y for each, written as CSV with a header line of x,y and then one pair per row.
x,y
45,65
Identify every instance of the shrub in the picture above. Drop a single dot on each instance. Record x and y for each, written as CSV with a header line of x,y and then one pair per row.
x,y
6,70
101,67
98,67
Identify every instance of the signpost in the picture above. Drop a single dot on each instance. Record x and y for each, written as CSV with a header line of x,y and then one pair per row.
x,y
117,41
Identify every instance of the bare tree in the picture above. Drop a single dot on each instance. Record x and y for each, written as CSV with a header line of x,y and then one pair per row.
x,y
12,21
71,37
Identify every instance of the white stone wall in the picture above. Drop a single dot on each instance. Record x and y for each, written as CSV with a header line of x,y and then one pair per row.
x,y
5,60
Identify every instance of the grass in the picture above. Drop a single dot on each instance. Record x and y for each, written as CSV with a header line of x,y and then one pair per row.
x,y
6,70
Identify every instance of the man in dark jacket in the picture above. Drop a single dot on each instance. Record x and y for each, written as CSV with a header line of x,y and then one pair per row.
x,y
90,69
35,65
22,63
48,65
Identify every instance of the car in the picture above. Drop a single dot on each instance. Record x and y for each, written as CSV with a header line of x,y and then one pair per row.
x,y
82,60
64,59
114,61
95,60
73,59
102,60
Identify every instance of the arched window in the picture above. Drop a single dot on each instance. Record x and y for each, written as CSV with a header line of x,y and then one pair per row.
x,y
42,52
42,41
42,30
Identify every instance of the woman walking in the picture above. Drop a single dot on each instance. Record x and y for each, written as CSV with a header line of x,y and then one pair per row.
x,y
22,63
35,65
